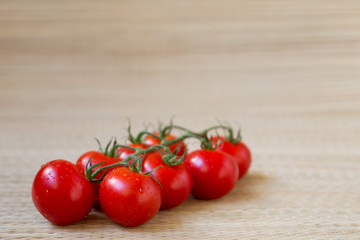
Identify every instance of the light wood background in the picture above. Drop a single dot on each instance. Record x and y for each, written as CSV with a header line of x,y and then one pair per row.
x,y
287,72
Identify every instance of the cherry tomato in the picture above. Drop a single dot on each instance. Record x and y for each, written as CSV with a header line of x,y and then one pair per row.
x,y
97,157
61,193
176,180
150,140
240,152
214,173
128,198
124,152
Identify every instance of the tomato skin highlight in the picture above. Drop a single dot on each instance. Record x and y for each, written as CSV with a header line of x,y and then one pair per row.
x,y
176,181
214,173
240,152
97,157
128,198
124,152
150,140
61,193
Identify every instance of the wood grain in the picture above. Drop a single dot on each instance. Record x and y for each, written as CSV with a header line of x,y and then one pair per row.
x,y
287,72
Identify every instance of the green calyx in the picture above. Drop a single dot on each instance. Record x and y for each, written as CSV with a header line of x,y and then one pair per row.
x,y
89,171
228,132
171,159
109,151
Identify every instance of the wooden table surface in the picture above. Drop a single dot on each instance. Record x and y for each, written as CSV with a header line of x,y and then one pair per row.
x,y
287,72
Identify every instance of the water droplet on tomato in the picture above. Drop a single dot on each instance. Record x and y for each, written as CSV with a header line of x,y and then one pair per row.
x,y
141,190
137,179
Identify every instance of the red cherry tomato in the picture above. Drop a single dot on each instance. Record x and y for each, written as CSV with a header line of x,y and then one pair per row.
x,y
128,198
240,152
176,180
214,173
97,157
61,193
150,140
124,152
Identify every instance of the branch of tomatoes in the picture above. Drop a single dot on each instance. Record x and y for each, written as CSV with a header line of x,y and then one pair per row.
x,y
109,175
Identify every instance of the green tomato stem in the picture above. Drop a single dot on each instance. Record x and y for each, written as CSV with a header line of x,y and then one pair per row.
x,y
169,158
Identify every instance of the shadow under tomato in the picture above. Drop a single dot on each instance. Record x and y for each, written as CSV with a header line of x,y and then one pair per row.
x,y
193,210
245,190
95,217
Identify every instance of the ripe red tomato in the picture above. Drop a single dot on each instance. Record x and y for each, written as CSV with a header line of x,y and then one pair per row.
x,y
240,152
128,198
61,193
150,140
176,180
214,173
97,157
124,152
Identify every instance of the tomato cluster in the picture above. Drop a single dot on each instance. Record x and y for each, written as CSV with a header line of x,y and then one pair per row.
x,y
132,182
